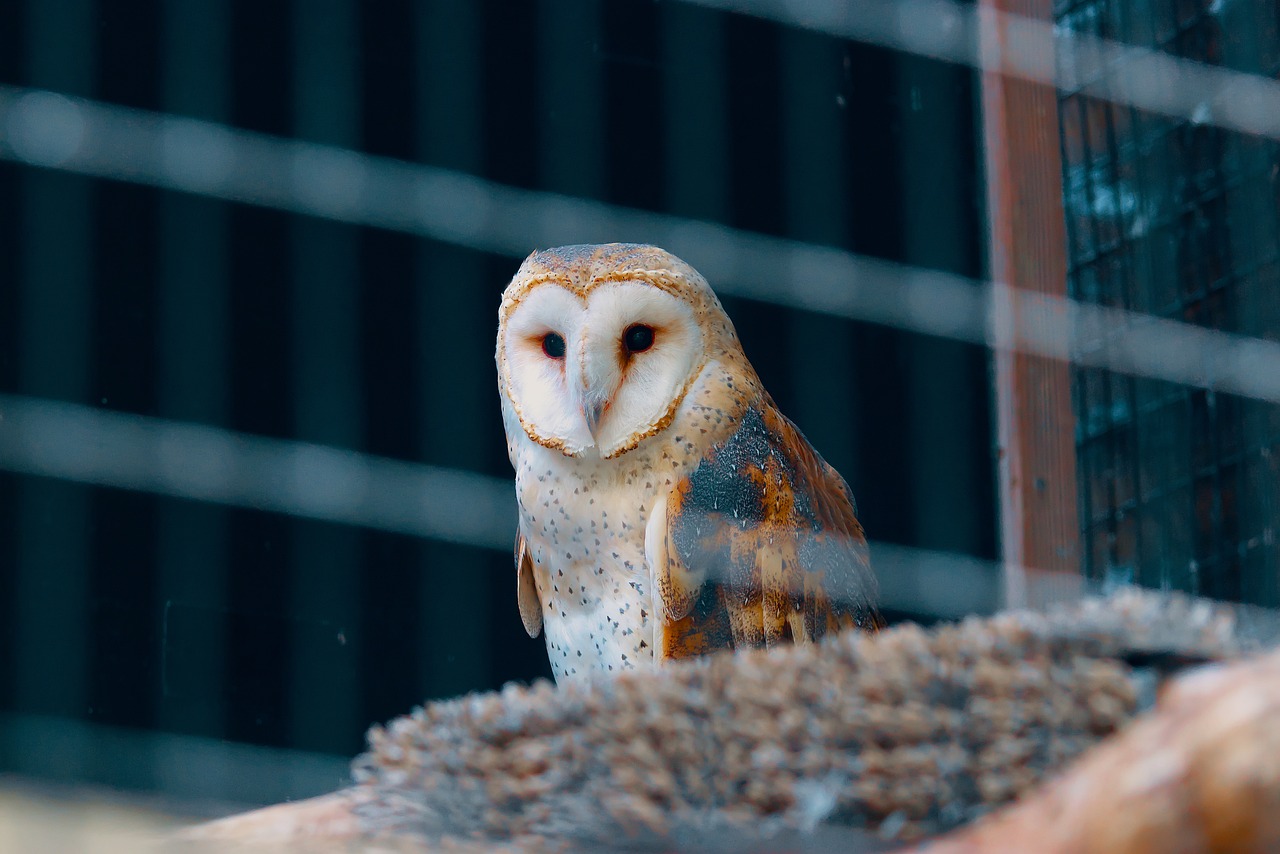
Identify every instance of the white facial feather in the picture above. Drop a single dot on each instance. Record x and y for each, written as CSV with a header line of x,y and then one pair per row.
x,y
543,388
644,385
636,391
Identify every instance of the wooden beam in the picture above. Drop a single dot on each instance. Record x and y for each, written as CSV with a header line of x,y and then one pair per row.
x,y
1027,251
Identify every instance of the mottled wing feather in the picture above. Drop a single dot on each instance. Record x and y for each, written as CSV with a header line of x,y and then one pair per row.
x,y
527,589
759,545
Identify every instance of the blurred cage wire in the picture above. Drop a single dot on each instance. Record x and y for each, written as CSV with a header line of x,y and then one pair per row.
x,y
1175,217
257,251
1156,470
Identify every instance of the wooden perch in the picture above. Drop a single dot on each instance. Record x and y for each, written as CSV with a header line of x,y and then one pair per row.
x,y
1201,774
315,821
852,744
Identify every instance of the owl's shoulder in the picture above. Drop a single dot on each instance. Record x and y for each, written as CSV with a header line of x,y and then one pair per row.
x,y
718,398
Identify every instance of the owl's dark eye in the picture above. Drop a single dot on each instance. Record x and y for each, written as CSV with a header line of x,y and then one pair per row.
x,y
553,345
637,338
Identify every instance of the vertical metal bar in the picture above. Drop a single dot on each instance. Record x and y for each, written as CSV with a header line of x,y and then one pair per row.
x,y
1255,220
1102,473
328,398
1129,532
696,96
453,285
11,175
823,361
55,330
943,399
571,109
1035,426
1151,467
193,375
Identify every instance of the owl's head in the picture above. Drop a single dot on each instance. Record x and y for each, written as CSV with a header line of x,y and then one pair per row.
x,y
598,345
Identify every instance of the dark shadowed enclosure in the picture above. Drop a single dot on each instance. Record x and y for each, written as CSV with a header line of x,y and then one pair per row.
x,y
211,238
1010,265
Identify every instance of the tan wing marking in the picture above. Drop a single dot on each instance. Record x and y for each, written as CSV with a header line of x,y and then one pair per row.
x,y
527,589
761,546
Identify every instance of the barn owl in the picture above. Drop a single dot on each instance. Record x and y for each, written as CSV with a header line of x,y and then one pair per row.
x,y
666,507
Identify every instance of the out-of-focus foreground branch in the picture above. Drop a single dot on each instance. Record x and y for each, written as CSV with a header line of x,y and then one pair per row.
x,y
856,744
1200,774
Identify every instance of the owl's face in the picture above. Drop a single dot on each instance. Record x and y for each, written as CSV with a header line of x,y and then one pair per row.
x,y
596,350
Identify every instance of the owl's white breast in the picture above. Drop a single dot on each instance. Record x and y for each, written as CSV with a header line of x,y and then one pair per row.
x,y
584,521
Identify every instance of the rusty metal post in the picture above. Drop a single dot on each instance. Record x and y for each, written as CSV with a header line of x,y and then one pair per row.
x,y
1028,253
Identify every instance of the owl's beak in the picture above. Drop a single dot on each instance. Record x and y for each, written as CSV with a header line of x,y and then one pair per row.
x,y
597,384
592,411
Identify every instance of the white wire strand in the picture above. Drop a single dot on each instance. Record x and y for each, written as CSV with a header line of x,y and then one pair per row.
x,y
51,130
86,137
1040,51
88,445
82,444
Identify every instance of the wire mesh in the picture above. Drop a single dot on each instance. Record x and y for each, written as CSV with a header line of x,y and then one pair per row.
x,y
255,262
1175,217
286,209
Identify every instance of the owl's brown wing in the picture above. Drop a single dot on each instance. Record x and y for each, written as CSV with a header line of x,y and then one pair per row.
x,y
527,589
759,545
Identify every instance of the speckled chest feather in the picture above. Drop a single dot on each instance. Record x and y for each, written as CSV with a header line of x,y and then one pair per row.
x,y
584,521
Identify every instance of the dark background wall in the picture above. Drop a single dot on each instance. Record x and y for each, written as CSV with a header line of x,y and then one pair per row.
x,y
127,608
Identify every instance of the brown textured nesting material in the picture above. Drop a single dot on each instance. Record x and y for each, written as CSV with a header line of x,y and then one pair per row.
x,y
902,734
1201,774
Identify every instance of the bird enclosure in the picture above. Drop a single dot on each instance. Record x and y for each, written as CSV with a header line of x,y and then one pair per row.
x,y
1010,266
